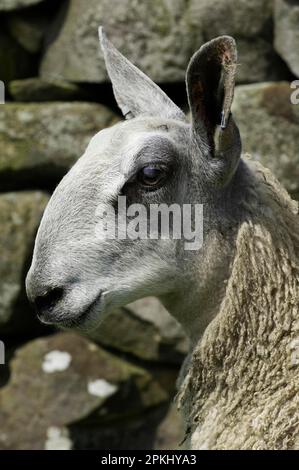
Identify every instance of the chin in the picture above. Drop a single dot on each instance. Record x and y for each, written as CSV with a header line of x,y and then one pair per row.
x,y
89,320
91,317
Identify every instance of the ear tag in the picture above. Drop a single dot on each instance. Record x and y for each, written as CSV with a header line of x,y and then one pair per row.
x,y
223,120
127,112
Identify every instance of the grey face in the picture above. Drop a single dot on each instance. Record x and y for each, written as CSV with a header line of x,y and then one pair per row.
x,y
153,157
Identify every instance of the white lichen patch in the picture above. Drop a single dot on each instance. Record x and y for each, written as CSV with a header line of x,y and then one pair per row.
x,y
101,388
56,361
25,116
58,439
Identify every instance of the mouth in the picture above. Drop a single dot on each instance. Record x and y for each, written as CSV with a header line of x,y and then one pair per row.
x,y
87,316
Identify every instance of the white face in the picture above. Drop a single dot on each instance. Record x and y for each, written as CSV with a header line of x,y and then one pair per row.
x,y
76,279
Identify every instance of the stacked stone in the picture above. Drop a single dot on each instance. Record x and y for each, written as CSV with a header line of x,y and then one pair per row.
x,y
115,388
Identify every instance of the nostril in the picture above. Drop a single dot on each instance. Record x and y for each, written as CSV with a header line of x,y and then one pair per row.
x,y
48,300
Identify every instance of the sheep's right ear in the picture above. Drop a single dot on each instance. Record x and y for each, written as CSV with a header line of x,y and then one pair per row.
x,y
135,93
210,85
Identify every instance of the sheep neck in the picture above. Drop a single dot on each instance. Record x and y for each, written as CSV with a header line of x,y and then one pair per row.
x,y
242,385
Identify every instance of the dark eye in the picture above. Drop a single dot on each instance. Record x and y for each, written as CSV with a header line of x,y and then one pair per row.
x,y
151,176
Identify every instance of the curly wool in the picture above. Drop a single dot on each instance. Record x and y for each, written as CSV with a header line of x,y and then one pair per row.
x,y
242,387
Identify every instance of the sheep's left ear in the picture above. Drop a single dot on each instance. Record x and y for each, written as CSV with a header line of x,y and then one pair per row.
x,y
136,94
210,84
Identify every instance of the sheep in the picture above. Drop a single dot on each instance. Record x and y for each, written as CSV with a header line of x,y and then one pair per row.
x,y
236,296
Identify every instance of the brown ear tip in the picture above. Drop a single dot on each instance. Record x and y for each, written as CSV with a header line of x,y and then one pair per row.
x,y
227,44
227,39
230,43
222,45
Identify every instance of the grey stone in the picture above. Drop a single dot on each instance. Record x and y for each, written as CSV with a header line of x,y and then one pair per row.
x,y
146,330
66,392
287,32
8,5
250,23
236,17
39,142
154,35
150,309
159,37
20,216
269,125
38,90
258,62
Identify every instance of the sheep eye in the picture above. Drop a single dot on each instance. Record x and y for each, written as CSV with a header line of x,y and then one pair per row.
x,y
151,177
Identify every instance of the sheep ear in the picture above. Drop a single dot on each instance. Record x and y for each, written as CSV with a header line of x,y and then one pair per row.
x,y
135,93
210,84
